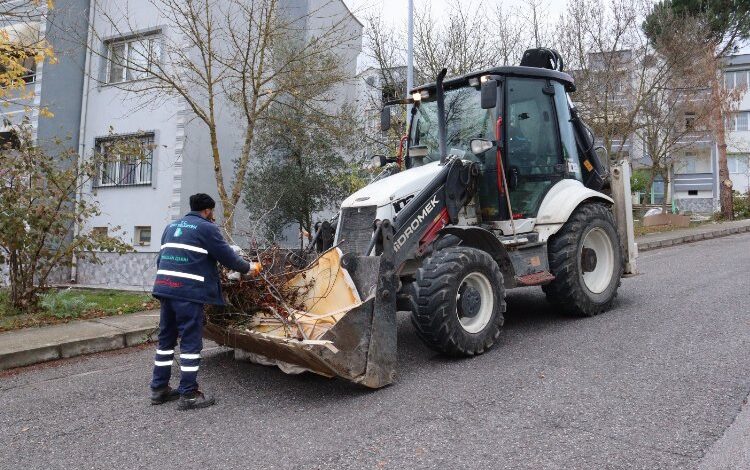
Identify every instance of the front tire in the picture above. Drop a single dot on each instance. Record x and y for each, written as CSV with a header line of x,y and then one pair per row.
x,y
458,301
586,258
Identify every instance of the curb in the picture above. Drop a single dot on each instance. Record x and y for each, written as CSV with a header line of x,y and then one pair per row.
x,y
690,238
107,336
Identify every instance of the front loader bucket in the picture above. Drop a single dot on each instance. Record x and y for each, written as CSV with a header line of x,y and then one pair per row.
x,y
347,326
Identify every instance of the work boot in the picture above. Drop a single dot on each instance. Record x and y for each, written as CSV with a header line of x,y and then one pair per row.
x,y
195,400
159,396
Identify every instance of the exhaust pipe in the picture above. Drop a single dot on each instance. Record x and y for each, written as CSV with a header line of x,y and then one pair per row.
x,y
442,133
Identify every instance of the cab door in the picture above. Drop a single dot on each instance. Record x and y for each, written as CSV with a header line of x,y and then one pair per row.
x,y
533,154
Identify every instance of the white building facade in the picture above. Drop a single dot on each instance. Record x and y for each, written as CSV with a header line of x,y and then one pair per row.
x,y
138,199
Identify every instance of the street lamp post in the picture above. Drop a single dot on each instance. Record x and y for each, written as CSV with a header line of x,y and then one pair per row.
x,y
410,54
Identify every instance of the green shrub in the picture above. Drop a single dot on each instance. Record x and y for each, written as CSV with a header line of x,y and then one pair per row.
x,y
65,304
639,181
741,205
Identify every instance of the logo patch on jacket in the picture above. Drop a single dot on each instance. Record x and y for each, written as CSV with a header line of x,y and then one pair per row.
x,y
178,232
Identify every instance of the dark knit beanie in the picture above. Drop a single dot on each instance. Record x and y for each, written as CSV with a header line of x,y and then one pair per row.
x,y
201,201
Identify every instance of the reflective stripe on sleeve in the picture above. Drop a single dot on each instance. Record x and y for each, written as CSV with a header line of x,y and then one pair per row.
x,y
182,246
163,363
189,368
190,356
194,277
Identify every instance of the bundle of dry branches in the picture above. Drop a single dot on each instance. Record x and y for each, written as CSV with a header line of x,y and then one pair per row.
x,y
249,300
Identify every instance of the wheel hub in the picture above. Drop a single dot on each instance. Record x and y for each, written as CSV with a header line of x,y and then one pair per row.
x,y
588,260
470,301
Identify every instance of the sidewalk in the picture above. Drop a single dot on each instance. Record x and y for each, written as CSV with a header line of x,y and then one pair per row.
x,y
677,237
34,345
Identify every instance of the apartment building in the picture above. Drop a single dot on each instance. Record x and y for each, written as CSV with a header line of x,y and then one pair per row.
x,y
139,197
693,185
696,176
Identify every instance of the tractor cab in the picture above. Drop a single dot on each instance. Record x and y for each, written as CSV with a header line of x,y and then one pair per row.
x,y
518,124
515,122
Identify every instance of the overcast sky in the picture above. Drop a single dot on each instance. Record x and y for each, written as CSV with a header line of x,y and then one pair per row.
x,y
395,10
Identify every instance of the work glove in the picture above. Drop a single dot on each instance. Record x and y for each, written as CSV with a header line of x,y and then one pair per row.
x,y
255,269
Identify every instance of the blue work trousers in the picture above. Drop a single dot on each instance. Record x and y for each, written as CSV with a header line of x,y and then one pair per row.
x,y
183,319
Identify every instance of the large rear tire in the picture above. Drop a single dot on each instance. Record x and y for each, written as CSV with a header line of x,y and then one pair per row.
x,y
586,258
458,301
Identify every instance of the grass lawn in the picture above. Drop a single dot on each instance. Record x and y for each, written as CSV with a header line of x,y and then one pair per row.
x,y
61,306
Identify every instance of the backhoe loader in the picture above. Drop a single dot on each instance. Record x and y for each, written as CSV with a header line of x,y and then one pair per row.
x,y
500,186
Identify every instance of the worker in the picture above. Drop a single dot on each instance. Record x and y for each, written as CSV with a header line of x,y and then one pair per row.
x,y
187,278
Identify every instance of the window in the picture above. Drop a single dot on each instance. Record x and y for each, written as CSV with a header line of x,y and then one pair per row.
x,y
569,147
689,121
738,121
29,64
391,92
142,236
125,160
100,231
533,154
131,59
20,40
692,192
738,164
736,79
741,123
688,164
9,140
465,120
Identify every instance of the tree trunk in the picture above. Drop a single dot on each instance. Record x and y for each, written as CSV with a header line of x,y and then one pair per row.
x,y
650,184
719,121
667,179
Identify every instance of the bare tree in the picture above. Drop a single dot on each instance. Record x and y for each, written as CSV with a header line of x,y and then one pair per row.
x,y
535,14
384,48
459,42
616,67
237,53
510,35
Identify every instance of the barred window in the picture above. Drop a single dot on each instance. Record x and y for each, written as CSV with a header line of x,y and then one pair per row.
x,y
125,160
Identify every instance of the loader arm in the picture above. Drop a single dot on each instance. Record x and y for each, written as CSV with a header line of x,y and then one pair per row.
x,y
436,206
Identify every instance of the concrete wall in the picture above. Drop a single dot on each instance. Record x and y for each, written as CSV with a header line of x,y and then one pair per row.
x,y
695,204
132,270
62,91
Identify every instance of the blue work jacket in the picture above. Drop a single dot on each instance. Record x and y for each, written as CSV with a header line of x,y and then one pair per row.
x,y
186,266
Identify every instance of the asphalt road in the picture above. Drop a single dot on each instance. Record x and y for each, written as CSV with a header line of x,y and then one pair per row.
x,y
651,384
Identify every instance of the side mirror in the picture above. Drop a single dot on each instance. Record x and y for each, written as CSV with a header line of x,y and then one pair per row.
x,y
385,119
479,146
489,94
